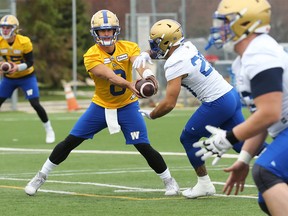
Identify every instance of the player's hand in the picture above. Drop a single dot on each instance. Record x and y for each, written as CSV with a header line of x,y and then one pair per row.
x,y
145,113
131,86
14,68
153,79
217,145
238,173
140,61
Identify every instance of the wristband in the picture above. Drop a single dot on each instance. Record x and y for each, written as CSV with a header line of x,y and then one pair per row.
x,y
22,66
244,157
231,137
147,73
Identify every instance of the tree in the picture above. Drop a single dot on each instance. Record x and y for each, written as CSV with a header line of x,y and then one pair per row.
x,y
49,25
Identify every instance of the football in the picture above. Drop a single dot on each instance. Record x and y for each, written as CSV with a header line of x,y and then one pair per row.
x,y
6,66
145,87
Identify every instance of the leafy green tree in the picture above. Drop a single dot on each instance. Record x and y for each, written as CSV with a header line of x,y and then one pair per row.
x,y
49,25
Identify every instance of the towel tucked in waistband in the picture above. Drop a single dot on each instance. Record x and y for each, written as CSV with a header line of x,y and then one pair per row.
x,y
112,121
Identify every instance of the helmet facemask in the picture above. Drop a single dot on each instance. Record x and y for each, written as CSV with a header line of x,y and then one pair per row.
x,y
103,39
157,52
11,33
234,20
220,33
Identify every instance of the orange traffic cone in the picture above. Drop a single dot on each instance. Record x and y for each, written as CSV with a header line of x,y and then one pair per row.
x,y
70,97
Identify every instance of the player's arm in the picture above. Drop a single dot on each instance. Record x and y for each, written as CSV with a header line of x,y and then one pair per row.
x,y
28,62
240,169
252,146
266,88
166,105
104,72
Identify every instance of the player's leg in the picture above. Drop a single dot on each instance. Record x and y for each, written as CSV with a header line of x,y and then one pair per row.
x,y
214,113
134,129
30,88
192,132
273,189
91,122
262,204
2,100
7,86
50,134
157,163
270,173
58,155
276,198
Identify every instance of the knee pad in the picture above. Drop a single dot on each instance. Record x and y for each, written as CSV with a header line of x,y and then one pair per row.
x,y
264,179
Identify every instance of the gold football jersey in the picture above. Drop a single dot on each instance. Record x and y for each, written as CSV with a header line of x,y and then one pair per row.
x,y
106,94
15,53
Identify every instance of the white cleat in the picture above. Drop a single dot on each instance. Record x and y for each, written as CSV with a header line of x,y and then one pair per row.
x,y
172,188
32,187
50,136
199,190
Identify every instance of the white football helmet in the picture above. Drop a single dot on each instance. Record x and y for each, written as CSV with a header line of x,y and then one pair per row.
x,y
105,19
9,20
163,35
234,20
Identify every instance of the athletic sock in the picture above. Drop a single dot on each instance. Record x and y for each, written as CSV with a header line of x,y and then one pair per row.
x,y
204,179
47,167
165,175
47,125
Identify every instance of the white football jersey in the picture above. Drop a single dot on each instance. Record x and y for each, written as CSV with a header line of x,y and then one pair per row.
x,y
202,80
262,53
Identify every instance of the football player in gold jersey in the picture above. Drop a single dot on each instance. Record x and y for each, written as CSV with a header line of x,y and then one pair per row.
x,y
114,104
18,50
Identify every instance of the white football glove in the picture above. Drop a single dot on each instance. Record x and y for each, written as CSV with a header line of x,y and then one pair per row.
x,y
145,113
217,144
140,61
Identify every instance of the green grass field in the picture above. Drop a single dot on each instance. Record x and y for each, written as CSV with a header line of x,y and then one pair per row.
x,y
104,176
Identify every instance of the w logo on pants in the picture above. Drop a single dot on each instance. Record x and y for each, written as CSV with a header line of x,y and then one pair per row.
x,y
135,135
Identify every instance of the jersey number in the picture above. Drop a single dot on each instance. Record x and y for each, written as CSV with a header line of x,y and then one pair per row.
x,y
205,67
113,88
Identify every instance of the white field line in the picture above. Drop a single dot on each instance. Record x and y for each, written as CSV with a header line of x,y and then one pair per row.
x,y
24,150
64,118
118,188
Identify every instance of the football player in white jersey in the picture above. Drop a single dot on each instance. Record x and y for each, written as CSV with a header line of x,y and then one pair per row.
x,y
261,71
186,66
